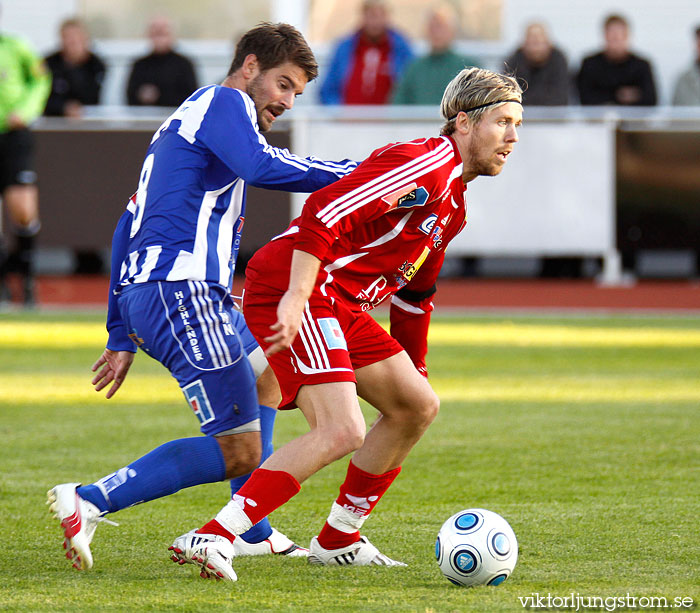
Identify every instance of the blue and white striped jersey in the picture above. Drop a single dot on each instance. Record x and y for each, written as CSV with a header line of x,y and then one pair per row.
x,y
190,202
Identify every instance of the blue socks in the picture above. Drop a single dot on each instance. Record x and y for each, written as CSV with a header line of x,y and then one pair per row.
x,y
165,470
262,530
174,466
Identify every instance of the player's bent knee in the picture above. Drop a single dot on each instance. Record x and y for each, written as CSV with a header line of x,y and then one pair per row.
x,y
423,410
22,204
342,440
432,408
422,407
268,388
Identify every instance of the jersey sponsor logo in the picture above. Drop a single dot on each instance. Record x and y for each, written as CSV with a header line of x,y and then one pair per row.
x,y
198,400
371,296
134,336
437,237
237,236
417,197
409,269
393,198
332,333
427,224
406,197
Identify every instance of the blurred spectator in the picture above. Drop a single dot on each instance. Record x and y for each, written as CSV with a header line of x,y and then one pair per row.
x,y
616,75
687,90
425,78
77,72
542,66
366,64
164,77
24,87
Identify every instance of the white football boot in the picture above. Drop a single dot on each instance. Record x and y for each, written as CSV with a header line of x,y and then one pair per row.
x,y
79,519
277,543
211,552
361,553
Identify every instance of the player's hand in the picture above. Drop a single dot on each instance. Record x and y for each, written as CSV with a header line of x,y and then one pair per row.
x,y
289,312
113,367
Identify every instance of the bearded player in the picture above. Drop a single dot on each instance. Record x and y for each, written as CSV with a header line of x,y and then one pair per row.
x,y
174,254
379,233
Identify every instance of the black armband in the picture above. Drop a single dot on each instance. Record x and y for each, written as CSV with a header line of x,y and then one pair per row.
x,y
408,294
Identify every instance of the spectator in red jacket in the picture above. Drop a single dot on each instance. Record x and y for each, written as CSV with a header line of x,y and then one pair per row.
x,y
365,65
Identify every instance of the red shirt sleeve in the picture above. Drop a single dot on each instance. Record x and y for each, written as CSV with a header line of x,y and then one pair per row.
x,y
365,194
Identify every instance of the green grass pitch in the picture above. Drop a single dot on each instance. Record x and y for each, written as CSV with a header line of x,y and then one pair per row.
x,y
584,432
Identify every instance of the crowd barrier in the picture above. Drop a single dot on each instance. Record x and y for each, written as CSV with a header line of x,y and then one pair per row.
x,y
583,182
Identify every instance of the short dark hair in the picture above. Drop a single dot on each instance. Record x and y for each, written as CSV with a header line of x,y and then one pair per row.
x,y
612,19
274,44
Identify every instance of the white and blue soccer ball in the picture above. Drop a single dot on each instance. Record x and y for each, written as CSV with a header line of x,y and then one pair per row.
x,y
476,547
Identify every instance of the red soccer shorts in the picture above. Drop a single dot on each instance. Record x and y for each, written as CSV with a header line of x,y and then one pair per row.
x,y
332,341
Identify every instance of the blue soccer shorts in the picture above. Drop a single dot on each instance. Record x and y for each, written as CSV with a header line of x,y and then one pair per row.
x,y
194,330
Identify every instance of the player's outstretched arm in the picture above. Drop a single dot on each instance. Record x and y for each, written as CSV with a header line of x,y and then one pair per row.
x,y
113,367
231,131
302,278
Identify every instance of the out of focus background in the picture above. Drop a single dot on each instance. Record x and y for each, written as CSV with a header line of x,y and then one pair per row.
x,y
603,189
565,343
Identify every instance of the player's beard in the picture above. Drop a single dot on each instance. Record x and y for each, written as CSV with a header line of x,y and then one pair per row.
x,y
483,163
255,91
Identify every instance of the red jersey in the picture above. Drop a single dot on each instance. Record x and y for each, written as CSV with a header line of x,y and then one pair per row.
x,y
371,77
381,229
386,224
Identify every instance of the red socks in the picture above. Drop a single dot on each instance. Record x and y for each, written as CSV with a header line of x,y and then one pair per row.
x,y
214,527
359,494
265,491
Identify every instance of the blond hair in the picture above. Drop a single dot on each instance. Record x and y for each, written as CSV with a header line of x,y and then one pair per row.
x,y
474,90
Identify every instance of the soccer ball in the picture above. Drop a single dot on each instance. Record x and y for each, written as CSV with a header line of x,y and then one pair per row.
x,y
476,547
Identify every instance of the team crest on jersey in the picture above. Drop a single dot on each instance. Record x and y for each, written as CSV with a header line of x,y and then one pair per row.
x,y
332,333
428,224
407,197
